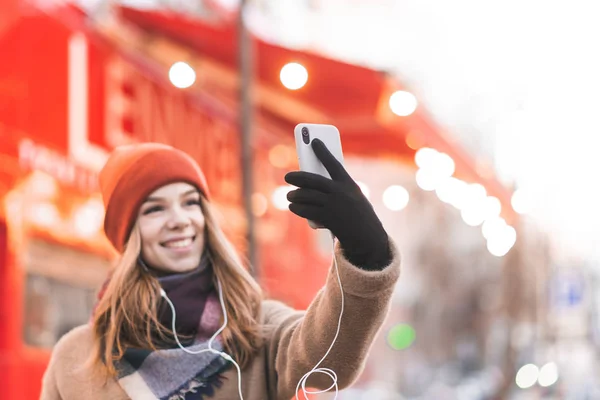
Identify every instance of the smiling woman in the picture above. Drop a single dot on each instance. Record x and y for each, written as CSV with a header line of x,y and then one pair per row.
x,y
179,309
171,224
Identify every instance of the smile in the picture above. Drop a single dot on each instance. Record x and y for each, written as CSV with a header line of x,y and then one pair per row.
x,y
179,243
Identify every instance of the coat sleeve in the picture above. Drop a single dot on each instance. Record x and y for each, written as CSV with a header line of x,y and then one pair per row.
x,y
299,339
49,384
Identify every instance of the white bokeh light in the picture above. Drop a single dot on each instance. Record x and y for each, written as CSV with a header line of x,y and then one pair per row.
x,y
403,103
445,191
521,202
474,196
444,165
293,76
364,189
427,180
527,376
475,193
425,157
493,227
279,197
548,375
44,214
396,197
493,207
452,191
88,218
497,248
510,236
435,169
42,185
500,242
473,205
182,75
473,215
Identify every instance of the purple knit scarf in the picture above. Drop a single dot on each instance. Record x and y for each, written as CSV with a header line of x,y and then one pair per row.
x,y
170,373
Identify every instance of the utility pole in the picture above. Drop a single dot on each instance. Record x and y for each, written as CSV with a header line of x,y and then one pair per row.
x,y
245,64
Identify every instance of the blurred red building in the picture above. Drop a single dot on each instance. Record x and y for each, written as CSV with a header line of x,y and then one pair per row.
x,y
71,89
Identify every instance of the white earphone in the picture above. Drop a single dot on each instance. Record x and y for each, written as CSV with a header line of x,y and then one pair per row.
x,y
327,371
209,349
302,383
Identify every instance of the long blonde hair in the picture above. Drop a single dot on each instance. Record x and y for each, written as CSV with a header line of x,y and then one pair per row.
x,y
126,315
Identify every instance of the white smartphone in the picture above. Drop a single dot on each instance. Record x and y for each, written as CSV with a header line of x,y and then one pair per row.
x,y
307,159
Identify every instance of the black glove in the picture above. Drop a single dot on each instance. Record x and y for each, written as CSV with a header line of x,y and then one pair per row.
x,y
340,206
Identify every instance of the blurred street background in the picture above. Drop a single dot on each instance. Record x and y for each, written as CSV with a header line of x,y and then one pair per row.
x,y
472,126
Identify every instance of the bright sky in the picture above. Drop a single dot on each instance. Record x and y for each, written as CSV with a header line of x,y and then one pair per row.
x,y
518,78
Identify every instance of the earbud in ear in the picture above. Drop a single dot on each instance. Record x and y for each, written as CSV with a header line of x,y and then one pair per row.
x,y
163,293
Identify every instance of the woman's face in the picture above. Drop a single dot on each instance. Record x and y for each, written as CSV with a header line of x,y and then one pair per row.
x,y
171,226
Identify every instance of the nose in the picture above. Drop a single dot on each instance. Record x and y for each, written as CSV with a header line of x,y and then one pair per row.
x,y
178,218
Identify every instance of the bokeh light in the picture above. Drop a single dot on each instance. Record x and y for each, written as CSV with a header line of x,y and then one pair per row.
x,y
444,165
414,140
521,202
401,336
403,103
293,76
500,242
44,214
427,180
475,193
396,197
42,185
364,189
182,75
425,157
548,375
527,376
493,227
435,168
473,215
281,156
89,217
279,197
493,207
259,204
452,191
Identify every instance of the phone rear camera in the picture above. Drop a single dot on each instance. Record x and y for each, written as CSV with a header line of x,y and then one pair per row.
x,y
305,135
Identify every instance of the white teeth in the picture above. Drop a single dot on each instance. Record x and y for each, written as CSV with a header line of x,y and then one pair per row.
x,y
179,243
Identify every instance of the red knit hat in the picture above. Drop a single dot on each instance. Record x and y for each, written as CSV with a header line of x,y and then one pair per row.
x,y
131,173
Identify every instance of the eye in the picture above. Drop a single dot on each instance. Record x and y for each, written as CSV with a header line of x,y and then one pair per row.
x,y
151,210
192,202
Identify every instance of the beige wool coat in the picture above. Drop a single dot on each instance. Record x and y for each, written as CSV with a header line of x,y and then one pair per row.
x,y
295,342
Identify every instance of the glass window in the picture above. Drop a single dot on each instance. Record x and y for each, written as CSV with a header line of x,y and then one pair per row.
x,y
60,291
53,308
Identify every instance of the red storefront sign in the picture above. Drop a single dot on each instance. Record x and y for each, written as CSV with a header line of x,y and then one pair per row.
x,y
67,97
138,108
37,157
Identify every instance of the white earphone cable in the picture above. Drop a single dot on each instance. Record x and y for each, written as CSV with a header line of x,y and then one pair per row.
x,y
209,349
326,371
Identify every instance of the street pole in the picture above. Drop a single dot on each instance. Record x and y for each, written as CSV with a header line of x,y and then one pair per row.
x,y
245,63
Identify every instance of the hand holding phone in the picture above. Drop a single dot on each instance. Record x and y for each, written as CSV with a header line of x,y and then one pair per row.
x,y
339,205
308,159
